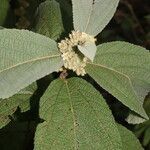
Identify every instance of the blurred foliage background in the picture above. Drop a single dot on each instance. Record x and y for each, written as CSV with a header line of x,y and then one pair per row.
x,y
130,23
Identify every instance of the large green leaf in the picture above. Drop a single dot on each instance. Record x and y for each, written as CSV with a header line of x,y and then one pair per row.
x,y
9,106
76,117
91,16
4,6
129,141
49,20
24,58
123,70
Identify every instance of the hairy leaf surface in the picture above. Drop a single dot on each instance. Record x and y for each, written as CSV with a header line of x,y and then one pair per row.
x,y
49,20
129,141
123,70
89,50
24,58
76,117
9,106
91,16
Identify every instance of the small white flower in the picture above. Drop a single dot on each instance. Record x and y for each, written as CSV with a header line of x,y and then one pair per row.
x,y
71,59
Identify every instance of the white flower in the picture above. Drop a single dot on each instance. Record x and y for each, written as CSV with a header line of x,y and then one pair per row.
x,y
71,59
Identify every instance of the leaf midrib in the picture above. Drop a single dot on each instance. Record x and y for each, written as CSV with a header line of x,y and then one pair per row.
x,y
104,130
102,66
73,117
89,18
29,61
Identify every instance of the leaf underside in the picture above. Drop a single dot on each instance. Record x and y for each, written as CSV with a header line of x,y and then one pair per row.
x,y
24,58
76,117
122,69
91,16
89,50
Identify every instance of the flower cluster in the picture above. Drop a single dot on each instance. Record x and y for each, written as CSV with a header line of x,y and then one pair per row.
x,y
71,59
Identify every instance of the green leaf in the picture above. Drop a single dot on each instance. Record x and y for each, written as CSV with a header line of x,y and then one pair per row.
x,y
91,16
4,6
129,141
49,20
89,50
139,129
143,129
122,69
24,58
146,138
76,117
9,106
